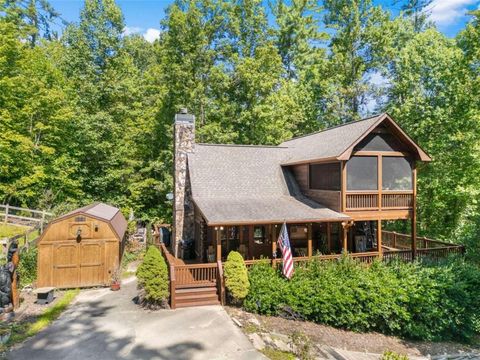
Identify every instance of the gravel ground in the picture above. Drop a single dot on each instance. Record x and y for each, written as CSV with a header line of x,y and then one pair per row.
x,y
348,340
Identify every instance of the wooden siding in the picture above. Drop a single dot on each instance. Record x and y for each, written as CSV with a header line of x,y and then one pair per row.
x,y
329,198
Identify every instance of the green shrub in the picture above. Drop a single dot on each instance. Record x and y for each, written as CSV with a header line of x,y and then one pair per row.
x,y
27,266
153,279
390,355
236,276
430,302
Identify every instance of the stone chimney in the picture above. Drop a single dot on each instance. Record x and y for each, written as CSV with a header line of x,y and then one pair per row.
x,y
183,211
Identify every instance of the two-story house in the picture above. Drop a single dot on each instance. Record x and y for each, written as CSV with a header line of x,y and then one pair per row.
x,y
333,188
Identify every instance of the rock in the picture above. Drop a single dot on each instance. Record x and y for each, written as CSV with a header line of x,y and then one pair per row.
x,y
254,321
282,345
257,341
237,322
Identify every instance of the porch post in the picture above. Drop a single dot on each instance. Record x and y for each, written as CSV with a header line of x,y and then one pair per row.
x,y
219,243
273,235
309,240
414,213
379,238
329,237
345,237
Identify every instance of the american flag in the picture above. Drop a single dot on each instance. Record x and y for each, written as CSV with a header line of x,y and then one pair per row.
x,y
284,244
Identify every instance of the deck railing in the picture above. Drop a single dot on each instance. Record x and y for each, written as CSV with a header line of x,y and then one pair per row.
x,y
402,241
370,200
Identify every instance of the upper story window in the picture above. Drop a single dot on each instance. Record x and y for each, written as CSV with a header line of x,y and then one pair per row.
x,y
397,173
380,141
325,176
362,173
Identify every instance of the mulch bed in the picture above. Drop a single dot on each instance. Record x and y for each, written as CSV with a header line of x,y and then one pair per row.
x,y
364,342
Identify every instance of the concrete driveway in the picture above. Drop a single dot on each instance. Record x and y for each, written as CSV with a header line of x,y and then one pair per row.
x,y
102,324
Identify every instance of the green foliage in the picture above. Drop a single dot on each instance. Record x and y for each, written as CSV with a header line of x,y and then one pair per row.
x,y
430,302
23,330
390,355
87,115
27,267
236,276
152,276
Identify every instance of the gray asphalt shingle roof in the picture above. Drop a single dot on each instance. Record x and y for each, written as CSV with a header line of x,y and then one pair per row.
x,y
233,184
329,143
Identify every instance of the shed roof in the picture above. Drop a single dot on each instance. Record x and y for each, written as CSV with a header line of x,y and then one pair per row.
x,y
233,184
101,211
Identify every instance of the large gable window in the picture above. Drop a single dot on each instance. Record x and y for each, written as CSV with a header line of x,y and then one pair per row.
x,y
397,173
362,173
325,176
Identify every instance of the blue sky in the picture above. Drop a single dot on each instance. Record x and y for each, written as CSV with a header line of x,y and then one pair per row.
x,y
143,16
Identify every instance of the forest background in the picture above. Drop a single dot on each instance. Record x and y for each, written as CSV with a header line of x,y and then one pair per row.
x,y
86,114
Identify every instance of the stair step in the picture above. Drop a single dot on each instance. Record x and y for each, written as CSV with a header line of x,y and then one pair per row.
x,y
197,303
197,290
196,297
196,285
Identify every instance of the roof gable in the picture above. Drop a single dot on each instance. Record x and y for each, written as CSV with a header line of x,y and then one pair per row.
x,y
338,142
110,214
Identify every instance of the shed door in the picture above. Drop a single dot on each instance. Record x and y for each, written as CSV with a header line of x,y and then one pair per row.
x,y
66,265
79,264
92,271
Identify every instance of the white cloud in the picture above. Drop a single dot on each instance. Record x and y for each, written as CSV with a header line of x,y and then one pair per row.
x,y
129,30
446,12
151,34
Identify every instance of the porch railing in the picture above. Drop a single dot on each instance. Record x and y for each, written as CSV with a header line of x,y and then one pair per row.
x,y
370,200
196,274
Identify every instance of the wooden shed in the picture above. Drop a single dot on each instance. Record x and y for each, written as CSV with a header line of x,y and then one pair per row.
x,y
82,248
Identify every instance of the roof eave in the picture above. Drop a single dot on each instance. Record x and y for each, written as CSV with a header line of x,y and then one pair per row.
x,y
277,221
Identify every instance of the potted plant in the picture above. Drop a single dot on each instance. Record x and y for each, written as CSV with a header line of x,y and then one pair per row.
x,y
116,279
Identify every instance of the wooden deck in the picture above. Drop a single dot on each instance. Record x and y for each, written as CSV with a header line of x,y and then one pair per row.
x,y
203,284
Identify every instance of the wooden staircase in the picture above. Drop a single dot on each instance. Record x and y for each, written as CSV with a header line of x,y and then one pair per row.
x,y
194,284
196,295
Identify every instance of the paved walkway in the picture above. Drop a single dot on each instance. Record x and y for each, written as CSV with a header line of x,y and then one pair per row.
x,y
107,325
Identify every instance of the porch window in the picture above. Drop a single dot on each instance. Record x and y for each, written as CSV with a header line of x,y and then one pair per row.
x,y
259,234
325,176
397,173
362,173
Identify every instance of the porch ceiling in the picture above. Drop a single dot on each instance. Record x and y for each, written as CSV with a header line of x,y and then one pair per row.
x,y
264,210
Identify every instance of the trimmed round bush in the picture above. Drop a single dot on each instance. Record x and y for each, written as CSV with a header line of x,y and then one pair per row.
x,y
153,280
236,276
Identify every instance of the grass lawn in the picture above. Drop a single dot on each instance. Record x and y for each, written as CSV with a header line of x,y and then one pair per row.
x,y
7,230
23,330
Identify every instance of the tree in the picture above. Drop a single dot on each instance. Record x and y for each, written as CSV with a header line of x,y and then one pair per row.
x,y
430,96
355,51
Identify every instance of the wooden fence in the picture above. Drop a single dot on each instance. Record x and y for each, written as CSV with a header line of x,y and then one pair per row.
x,y
24,216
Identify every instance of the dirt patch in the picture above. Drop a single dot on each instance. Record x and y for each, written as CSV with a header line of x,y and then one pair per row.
x,y
348,340
29,309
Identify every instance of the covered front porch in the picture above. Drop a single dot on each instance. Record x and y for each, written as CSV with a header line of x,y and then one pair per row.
x,y
307,239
